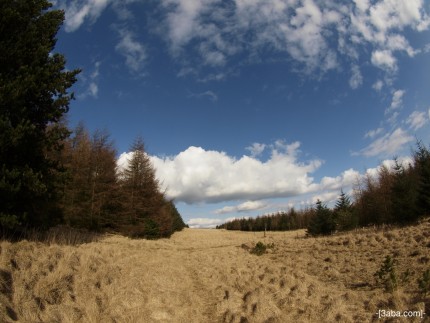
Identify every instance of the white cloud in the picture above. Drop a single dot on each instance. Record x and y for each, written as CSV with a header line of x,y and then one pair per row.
x,y
203,176
389,164
214,32
385,60
198,175
346,178
207,94
373,133
389,144
243,207
399,43
417,120
356,78
378,85
93,89
362,5
77,12
91,83
396,101
197,223
133,51
256,149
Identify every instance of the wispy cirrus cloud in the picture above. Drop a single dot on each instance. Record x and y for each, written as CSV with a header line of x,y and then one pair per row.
x,y
418,119
206,94
397,100
387,145
373,133
79,11
133,51
90,83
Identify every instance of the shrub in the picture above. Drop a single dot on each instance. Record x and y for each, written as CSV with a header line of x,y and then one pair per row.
x,y
387,275
259,249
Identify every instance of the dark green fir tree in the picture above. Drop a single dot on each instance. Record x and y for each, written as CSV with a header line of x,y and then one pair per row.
x,y
34,98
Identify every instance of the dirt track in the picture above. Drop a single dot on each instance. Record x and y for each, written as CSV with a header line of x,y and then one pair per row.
x,y
206,276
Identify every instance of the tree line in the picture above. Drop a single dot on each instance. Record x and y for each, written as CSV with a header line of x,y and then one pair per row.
x,y
398,195
52,175
279,221
99,196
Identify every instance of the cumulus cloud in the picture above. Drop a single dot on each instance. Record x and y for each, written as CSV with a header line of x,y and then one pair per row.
x,y
198,175
417,120
388,144
389,164
256,149
346,178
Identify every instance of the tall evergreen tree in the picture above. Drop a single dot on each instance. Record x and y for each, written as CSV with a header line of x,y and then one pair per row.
x,y
344,213
139,183
404,194
422,166
322,222
144,206
33,99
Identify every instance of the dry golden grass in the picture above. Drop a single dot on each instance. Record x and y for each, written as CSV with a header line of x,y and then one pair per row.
x,y
210,276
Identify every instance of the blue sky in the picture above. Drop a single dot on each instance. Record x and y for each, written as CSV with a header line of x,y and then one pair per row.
x,y
252,106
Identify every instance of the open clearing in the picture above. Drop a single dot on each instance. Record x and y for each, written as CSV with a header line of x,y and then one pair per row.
x,y
210,276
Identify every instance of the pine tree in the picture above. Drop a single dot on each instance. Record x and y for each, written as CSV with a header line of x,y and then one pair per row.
x,y
422,166
144,209
34,98
404,194
344,213
322,222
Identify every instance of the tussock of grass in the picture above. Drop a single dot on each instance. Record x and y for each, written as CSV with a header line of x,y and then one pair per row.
x,y
210,276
